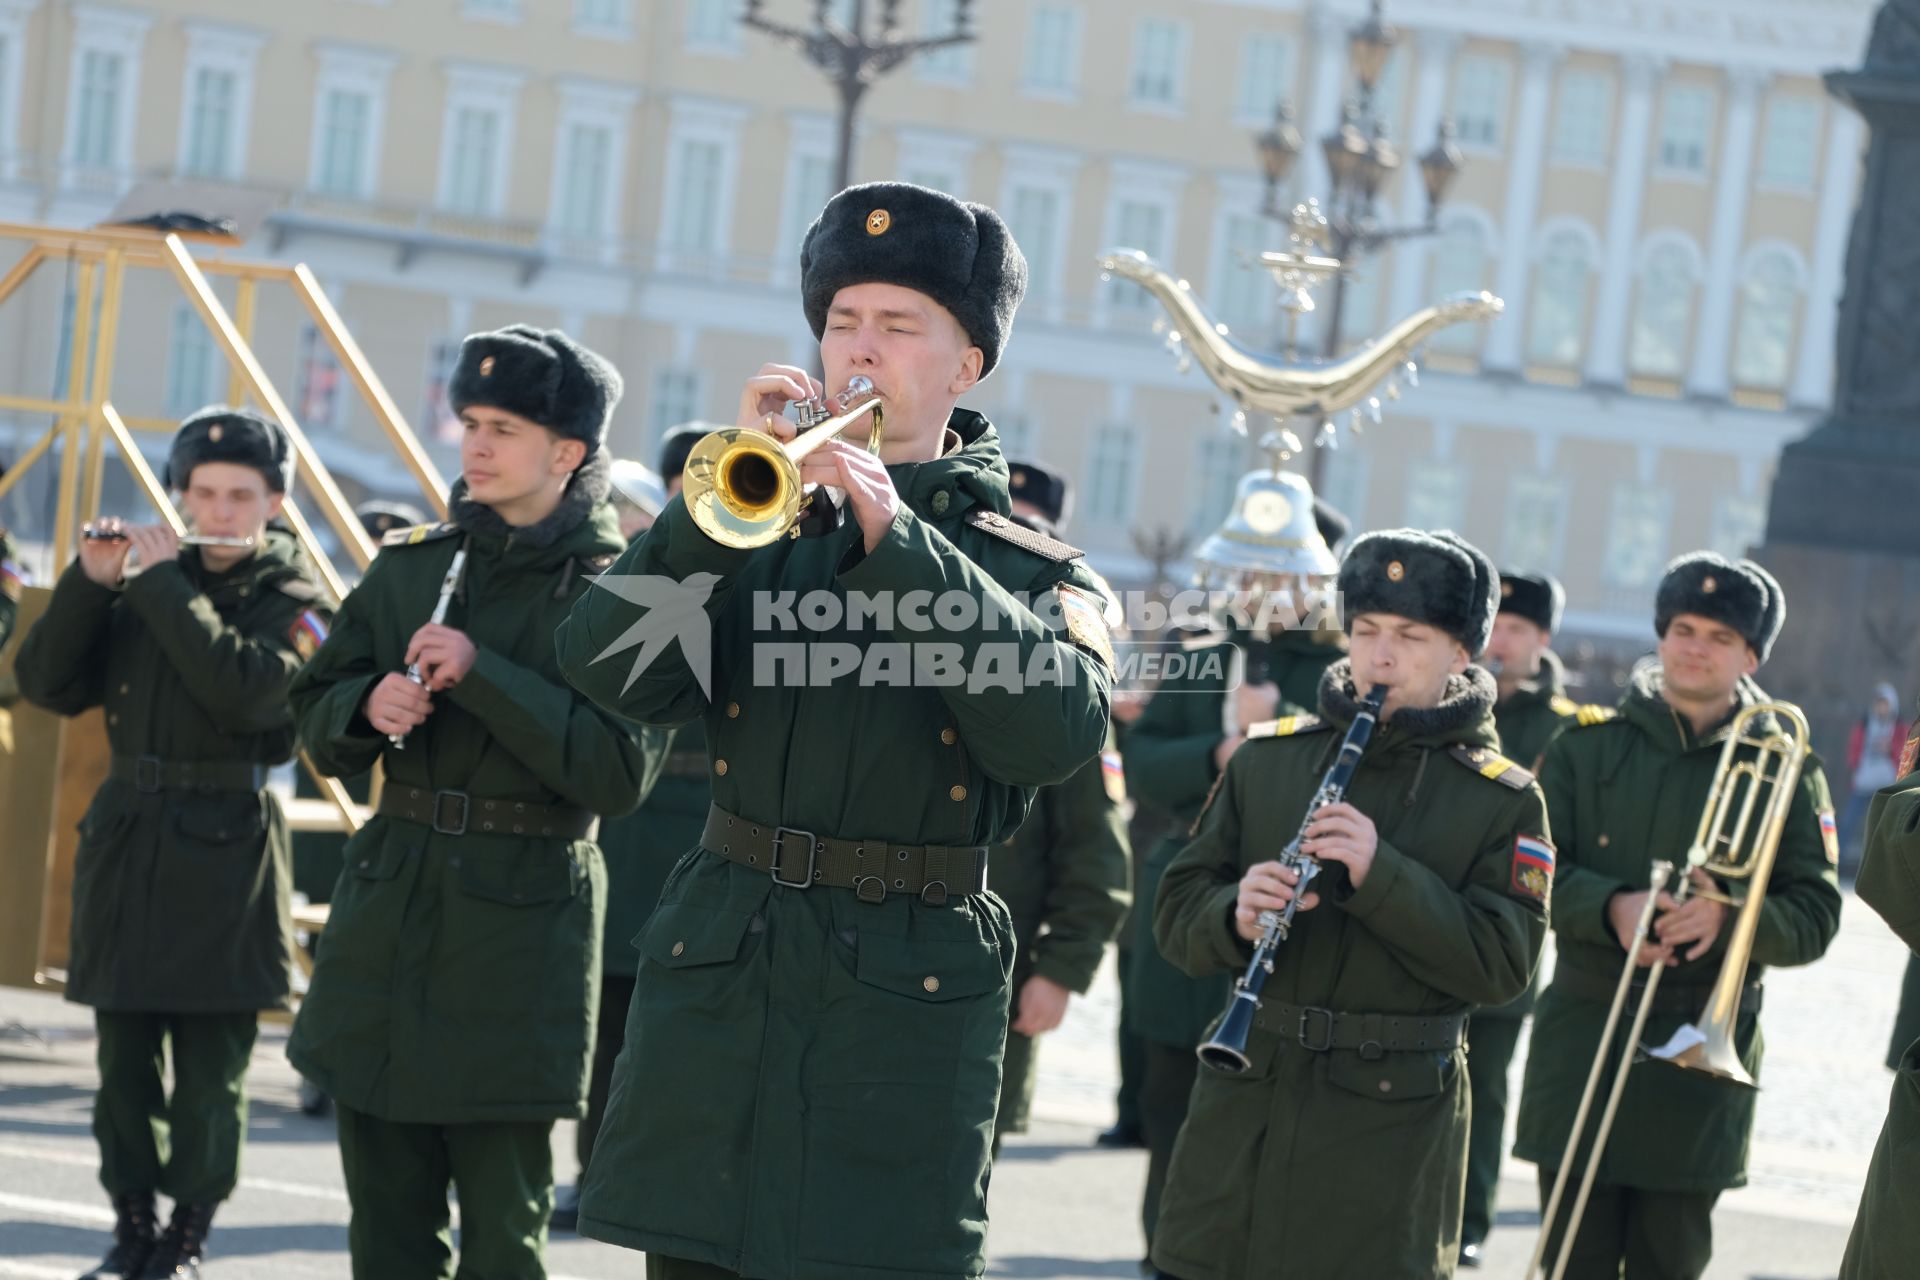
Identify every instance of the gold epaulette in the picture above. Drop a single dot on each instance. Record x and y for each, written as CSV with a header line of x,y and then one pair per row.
x,y
1285,727
1584,712
410,534
1489,763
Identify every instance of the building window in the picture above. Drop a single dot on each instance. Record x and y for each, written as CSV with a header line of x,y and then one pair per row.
x,y
1360,308
1033,216
1053,49
1536,519
713,26
676,399
1111,476
1557,314
1344,485
810,186
1787,155
1243,290
473,160
1480,101
442,422
1159,63
1636,538
96,125
346,123
491,10
1769,305
1437,496
607,17
1266,77
1390,91
211,111
1739,523
949,64
190,364
586,181
1458,264
318,392
1015,430
1142,225
1663,314
1686,129
1217,471
1583,121
693,205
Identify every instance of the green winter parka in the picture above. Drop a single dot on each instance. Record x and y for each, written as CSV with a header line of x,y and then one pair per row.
x,y
809,1081
180,896
458,977
1622,793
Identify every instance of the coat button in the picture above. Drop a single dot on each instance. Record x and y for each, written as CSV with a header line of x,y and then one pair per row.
x,y
113,719
949,737
941,499
1603,840
1386,1086
958,793
733,711
125,689
679,948
720,767
932,984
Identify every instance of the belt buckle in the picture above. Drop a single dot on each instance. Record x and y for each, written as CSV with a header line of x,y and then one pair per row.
x,y
1325,1042
456,826
780,837
146,774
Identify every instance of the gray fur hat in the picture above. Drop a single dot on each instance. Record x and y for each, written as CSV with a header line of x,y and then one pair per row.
x,y
958,253
1439,579
1738,593
1537,597
221,433
540,374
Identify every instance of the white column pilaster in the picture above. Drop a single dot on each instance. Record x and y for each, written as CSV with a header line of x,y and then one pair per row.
x,y
1607,358
1435,50
1813,376
1527,166
1712,377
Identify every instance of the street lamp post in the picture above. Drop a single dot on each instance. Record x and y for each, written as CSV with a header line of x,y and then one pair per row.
x,y
1360,160
850,59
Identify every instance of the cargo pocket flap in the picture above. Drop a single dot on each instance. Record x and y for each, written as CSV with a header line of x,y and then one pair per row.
x,y
221,819
521,881
1393,1077
681,935
377,863
928,970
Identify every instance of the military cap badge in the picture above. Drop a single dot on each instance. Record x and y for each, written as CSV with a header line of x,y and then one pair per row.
x,y
878,221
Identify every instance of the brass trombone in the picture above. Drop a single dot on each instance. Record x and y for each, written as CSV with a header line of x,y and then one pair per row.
x,y
1737,839
742,486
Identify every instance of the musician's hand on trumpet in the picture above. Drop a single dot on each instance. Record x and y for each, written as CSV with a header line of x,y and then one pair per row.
x,y
443,654
1698,920
768,393
1341,833
397,705
1267,886
869,489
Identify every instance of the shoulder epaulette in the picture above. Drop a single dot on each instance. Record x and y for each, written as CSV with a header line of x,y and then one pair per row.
x,y
1489,763
413,533
1020,536
1592,713
1286,727
298,588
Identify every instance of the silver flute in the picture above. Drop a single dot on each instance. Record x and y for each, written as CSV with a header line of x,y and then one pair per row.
x,y
447,588
92,534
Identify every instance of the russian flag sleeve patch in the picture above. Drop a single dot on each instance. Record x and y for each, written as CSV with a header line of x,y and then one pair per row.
x,y
1532,875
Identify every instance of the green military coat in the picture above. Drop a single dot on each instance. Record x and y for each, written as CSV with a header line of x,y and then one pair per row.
x,y
1169,759
809,1081
1328,1163
458,977
180,897
641,847
1621,793
1886,1234
1065,878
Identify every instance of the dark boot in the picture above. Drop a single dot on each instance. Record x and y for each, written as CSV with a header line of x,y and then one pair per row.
x,y
134,1234
182,1244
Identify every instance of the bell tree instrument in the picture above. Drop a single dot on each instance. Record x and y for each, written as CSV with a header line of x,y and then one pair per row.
x,y
1265,383
1226,1049
742,486
448,585
1737,840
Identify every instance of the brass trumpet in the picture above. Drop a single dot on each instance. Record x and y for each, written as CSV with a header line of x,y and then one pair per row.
x,y
742,486
1737,839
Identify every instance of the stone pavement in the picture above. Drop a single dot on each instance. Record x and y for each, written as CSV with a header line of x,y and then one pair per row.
x,y
1061,1209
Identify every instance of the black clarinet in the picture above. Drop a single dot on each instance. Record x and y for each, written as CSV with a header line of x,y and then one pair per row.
x,y
1227,1049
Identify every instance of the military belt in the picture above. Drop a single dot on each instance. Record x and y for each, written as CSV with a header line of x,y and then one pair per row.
x,y
871,868
1670,997
685,764
151,774
455,813
1372,1034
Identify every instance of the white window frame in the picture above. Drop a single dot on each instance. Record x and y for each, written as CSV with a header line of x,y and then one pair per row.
x,y
1256,47
1204,508
349,70
701,120
1128,499
120,34
731,47
13,31
1239,198
504,13
1600,85
1636,490
1147,183
1557,491
479,88
1076,47
620,27
809,137
657,426
936,19
1695,276
1181,36
1710,127
1766,178
185,320
1501,72
1053,170
218,48
1795,317
948,157
1549,235
601,106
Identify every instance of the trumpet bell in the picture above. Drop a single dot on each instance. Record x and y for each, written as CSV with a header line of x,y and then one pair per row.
x,y
742,488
